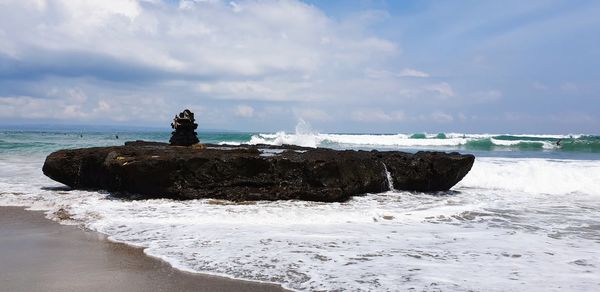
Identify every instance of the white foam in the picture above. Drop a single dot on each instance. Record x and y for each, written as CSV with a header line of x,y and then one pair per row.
x,y
230,143
391,140
532,175
509,143
315,140
397,140
281,138
388,177
513,224
304,136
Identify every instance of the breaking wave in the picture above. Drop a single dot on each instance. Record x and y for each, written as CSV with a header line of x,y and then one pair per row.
x,y
482,142
532,220
512,223
535,176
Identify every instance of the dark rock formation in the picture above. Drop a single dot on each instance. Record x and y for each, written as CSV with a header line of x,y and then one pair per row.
x,y
184,129
260,172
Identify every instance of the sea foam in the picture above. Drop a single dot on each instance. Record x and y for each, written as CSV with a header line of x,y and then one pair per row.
x,y
451,141
511,224
535,176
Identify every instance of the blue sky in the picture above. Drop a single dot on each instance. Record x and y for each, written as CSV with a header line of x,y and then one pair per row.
x,y
342,66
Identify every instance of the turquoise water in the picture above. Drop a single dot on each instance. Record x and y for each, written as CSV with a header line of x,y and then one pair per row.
x,y
485,145
48,141
525,218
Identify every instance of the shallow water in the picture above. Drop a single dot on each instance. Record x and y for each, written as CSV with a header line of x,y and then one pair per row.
x,y
520,220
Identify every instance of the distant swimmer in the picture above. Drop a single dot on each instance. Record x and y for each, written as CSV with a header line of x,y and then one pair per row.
x,y
117,137
558,142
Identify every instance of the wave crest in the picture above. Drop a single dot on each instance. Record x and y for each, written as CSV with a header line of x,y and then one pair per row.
x,y
305,136
535,176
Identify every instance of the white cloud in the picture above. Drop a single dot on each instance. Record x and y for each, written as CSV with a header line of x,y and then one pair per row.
x,y
75,105
247,38
539,86
377,115
73,111
569,87
145,60
27,107
441,117
408,72
563,117
381,74
244,111
312,114
442,89
487,96
103,106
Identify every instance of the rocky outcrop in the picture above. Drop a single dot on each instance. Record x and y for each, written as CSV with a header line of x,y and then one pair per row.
x,y
261,172
184,129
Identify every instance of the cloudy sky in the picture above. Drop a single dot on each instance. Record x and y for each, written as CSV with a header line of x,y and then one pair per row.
x,y
342,66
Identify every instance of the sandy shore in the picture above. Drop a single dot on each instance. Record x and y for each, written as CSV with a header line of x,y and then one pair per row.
x,y
37,254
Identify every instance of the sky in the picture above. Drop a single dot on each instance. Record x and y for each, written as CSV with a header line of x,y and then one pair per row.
x,y
340,66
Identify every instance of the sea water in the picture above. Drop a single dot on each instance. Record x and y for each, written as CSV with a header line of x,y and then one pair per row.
x,y
526,218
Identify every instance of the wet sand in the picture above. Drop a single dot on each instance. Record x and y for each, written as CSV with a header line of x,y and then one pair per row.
x,y
37,254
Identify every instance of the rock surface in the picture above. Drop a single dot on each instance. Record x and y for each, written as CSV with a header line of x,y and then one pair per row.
x,y
184,127
260,172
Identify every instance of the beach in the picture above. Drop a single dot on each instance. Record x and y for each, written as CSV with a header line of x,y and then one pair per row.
x,y
299,145
37,254
524,218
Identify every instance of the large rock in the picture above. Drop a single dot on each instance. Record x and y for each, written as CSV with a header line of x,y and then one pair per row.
x,y
184,127
157,170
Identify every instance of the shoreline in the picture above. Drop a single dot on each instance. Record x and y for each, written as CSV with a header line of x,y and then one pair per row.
x,y
38,254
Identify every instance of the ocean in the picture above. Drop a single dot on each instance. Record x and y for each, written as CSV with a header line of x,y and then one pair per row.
x,y
526,218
